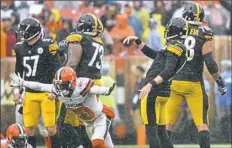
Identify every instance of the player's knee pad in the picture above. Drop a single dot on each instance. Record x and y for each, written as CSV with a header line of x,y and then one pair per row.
x,y
203,127
98,143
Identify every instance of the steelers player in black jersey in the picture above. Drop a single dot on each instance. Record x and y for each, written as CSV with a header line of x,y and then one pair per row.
x,y
156,88
85,52
188,84
36,61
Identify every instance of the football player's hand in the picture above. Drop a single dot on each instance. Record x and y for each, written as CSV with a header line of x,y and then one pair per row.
x,y
221,86
17,80
17,98
110,89
145,90
129,39
51,96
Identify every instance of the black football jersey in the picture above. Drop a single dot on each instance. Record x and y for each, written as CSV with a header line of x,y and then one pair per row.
x,y
194,41
167,63
37,62
90,63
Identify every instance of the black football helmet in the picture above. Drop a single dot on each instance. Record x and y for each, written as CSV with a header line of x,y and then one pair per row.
x,y
176,28
87,24
29,28
193,13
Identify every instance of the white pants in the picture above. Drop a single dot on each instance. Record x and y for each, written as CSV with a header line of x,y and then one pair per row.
x,y
99,129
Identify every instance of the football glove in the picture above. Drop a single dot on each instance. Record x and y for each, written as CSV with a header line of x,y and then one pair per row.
x,y
221,86
17,80
110,89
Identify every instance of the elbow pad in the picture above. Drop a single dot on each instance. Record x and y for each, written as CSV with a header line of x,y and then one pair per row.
x,y
210,63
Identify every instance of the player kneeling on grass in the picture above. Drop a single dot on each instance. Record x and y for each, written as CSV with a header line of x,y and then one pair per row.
x,y
79,95
15,137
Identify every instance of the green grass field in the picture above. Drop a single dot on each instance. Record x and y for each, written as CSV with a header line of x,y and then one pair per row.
x,y
176,146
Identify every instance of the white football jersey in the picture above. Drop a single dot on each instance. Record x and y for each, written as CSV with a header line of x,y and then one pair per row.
x,y
85,104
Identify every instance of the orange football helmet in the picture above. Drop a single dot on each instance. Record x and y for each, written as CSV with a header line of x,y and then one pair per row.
x,y
65,81
16,135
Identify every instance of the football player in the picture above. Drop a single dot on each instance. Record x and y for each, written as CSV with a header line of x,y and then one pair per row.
x,y
36,61
85,52
15,137
79,95
156,88
188,84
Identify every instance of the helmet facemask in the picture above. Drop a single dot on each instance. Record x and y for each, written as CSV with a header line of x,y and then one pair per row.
x,y
63,88
19,141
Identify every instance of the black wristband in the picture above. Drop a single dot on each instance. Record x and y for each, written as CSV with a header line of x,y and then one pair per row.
x,y
138,41
153,83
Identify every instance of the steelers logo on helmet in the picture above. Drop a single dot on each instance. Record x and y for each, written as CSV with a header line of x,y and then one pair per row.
x,y
87,24
193,13
29,28
176,28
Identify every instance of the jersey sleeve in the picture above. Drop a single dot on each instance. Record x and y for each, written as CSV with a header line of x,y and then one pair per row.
x,y
176,48
74,38
84,85
18,64
38,86
207,33
52,47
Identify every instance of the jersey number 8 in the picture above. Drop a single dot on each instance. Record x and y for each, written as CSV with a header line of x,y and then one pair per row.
x,y
190,44
98,50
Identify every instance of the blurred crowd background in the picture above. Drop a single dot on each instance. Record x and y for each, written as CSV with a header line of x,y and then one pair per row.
x,y
126,64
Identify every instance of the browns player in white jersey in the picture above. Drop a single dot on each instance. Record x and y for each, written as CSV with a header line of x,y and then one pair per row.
x,y
79,95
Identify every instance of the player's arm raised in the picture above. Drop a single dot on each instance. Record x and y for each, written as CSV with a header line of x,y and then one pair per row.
x,y
209,60
74,50
142,46
173,54
18,81
86,85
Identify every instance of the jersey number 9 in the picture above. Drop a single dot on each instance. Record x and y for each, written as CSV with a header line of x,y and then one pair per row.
x,y
99,50
190,44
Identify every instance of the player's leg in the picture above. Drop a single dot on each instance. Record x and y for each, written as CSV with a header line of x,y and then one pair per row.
x,y
100,128
43,132
48,109
165,141
198,106
68,126
31,116
149,119
174,105
86,142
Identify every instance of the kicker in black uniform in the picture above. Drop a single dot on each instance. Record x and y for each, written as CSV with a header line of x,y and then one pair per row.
x,y
156,88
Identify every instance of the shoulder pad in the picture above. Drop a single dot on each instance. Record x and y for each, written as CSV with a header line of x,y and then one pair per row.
x,y
74,38
207,33
84,85
16,48
52,47
176,48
